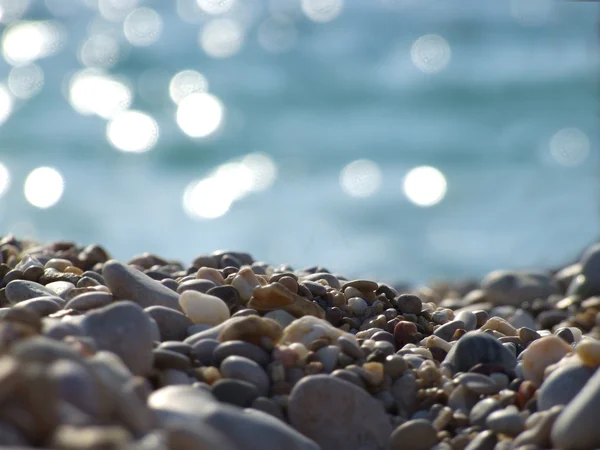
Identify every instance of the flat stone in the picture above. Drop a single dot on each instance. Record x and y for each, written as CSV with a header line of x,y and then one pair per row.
x,y
331,279
245,369
128,283
235,392
447,330
43,306
240,348
172,324
192,406
89,300
19,290
563,384
338,415
417,434
124,329
175,346
203,309
167,359
476,347
506,421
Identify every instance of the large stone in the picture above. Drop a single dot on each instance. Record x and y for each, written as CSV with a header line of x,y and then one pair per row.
x,y
540,354
577,427
240,368
276,296
203,309
189,406
124,329
417,434
18,290
563,384
476,347
337,414
128,283
503,287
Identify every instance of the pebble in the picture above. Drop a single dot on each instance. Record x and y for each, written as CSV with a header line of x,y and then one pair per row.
x,y
447,330
204,349
506,421
89,300
337,414
513,288
468,319
588,351
476,347
416,434
172,324
478,383
191,406
328,356
276,296
241,368
280,316
124,329
408,303
228,294
486,440
251,329
235,392
483,408
19,290
240,348
563,384
308,329
576,426
501,325
540,354
357,305
203,309
128,283
43,306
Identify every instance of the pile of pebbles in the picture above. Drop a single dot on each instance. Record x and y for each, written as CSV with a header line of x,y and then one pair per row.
x,y
234,354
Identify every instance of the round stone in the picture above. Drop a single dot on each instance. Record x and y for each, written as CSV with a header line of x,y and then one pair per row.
x,y
408,303
203,309
357,305
245,369
477,347
588,350
417,434
540,354
235,392
240,348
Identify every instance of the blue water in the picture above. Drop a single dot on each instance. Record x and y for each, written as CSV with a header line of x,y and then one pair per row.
x,y
346,90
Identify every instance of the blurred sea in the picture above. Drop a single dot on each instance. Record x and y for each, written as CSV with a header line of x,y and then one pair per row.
x,y
501,97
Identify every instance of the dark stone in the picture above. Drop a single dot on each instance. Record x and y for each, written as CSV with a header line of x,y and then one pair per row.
x,y
168,359
409,304
228,294
235,392
476,347
198,284
176,346
240,348
172,324
334,316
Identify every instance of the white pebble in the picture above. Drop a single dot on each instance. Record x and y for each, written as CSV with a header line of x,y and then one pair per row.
x,y
203,309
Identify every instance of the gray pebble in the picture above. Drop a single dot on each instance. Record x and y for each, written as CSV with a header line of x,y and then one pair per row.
x,y
204,350
478,383
476,347
89,300
447,330
18,290
416,434
43,306
483,408
240,348
245,369
506,421
172,324
328,356
235,392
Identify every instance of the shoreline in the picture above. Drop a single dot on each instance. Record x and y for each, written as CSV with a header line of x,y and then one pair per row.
x,y
232,353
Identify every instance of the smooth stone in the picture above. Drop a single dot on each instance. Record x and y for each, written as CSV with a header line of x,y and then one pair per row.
x,y
463,399
200,436
89,300
447,330
522,319
60,288
241,368
331,279
43,306
268,406
540,354
172,324
338,415
204,349
513,287
280,316
590,268
588,351
562,385
477,347
194,407
485,440
500,325
276,296
176,346
124,329
328,356
316,289
128,283
350,347
408,303
483,408
168,359
468,319
506,421
537,432
478,383
240,348
404,391
198,285
253,329
361,285
203,309
235,392
19,290
357,305
207,333
394,366
196,329
416,434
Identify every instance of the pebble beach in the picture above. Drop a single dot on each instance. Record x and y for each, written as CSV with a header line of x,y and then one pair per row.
x,y
232,353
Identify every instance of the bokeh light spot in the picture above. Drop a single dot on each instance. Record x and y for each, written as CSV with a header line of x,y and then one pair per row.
x,y
100,51
200,114
132,131
425,186
25,81
361,178
44,187
116,10
94,92
205,199
569,146
142,26
4,179
215,6
430,53
6,103
322,10
185,83
221,38
277,35
25,42
11,10
263,170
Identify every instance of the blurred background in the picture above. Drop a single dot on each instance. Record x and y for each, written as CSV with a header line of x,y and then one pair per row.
x,y
403,140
